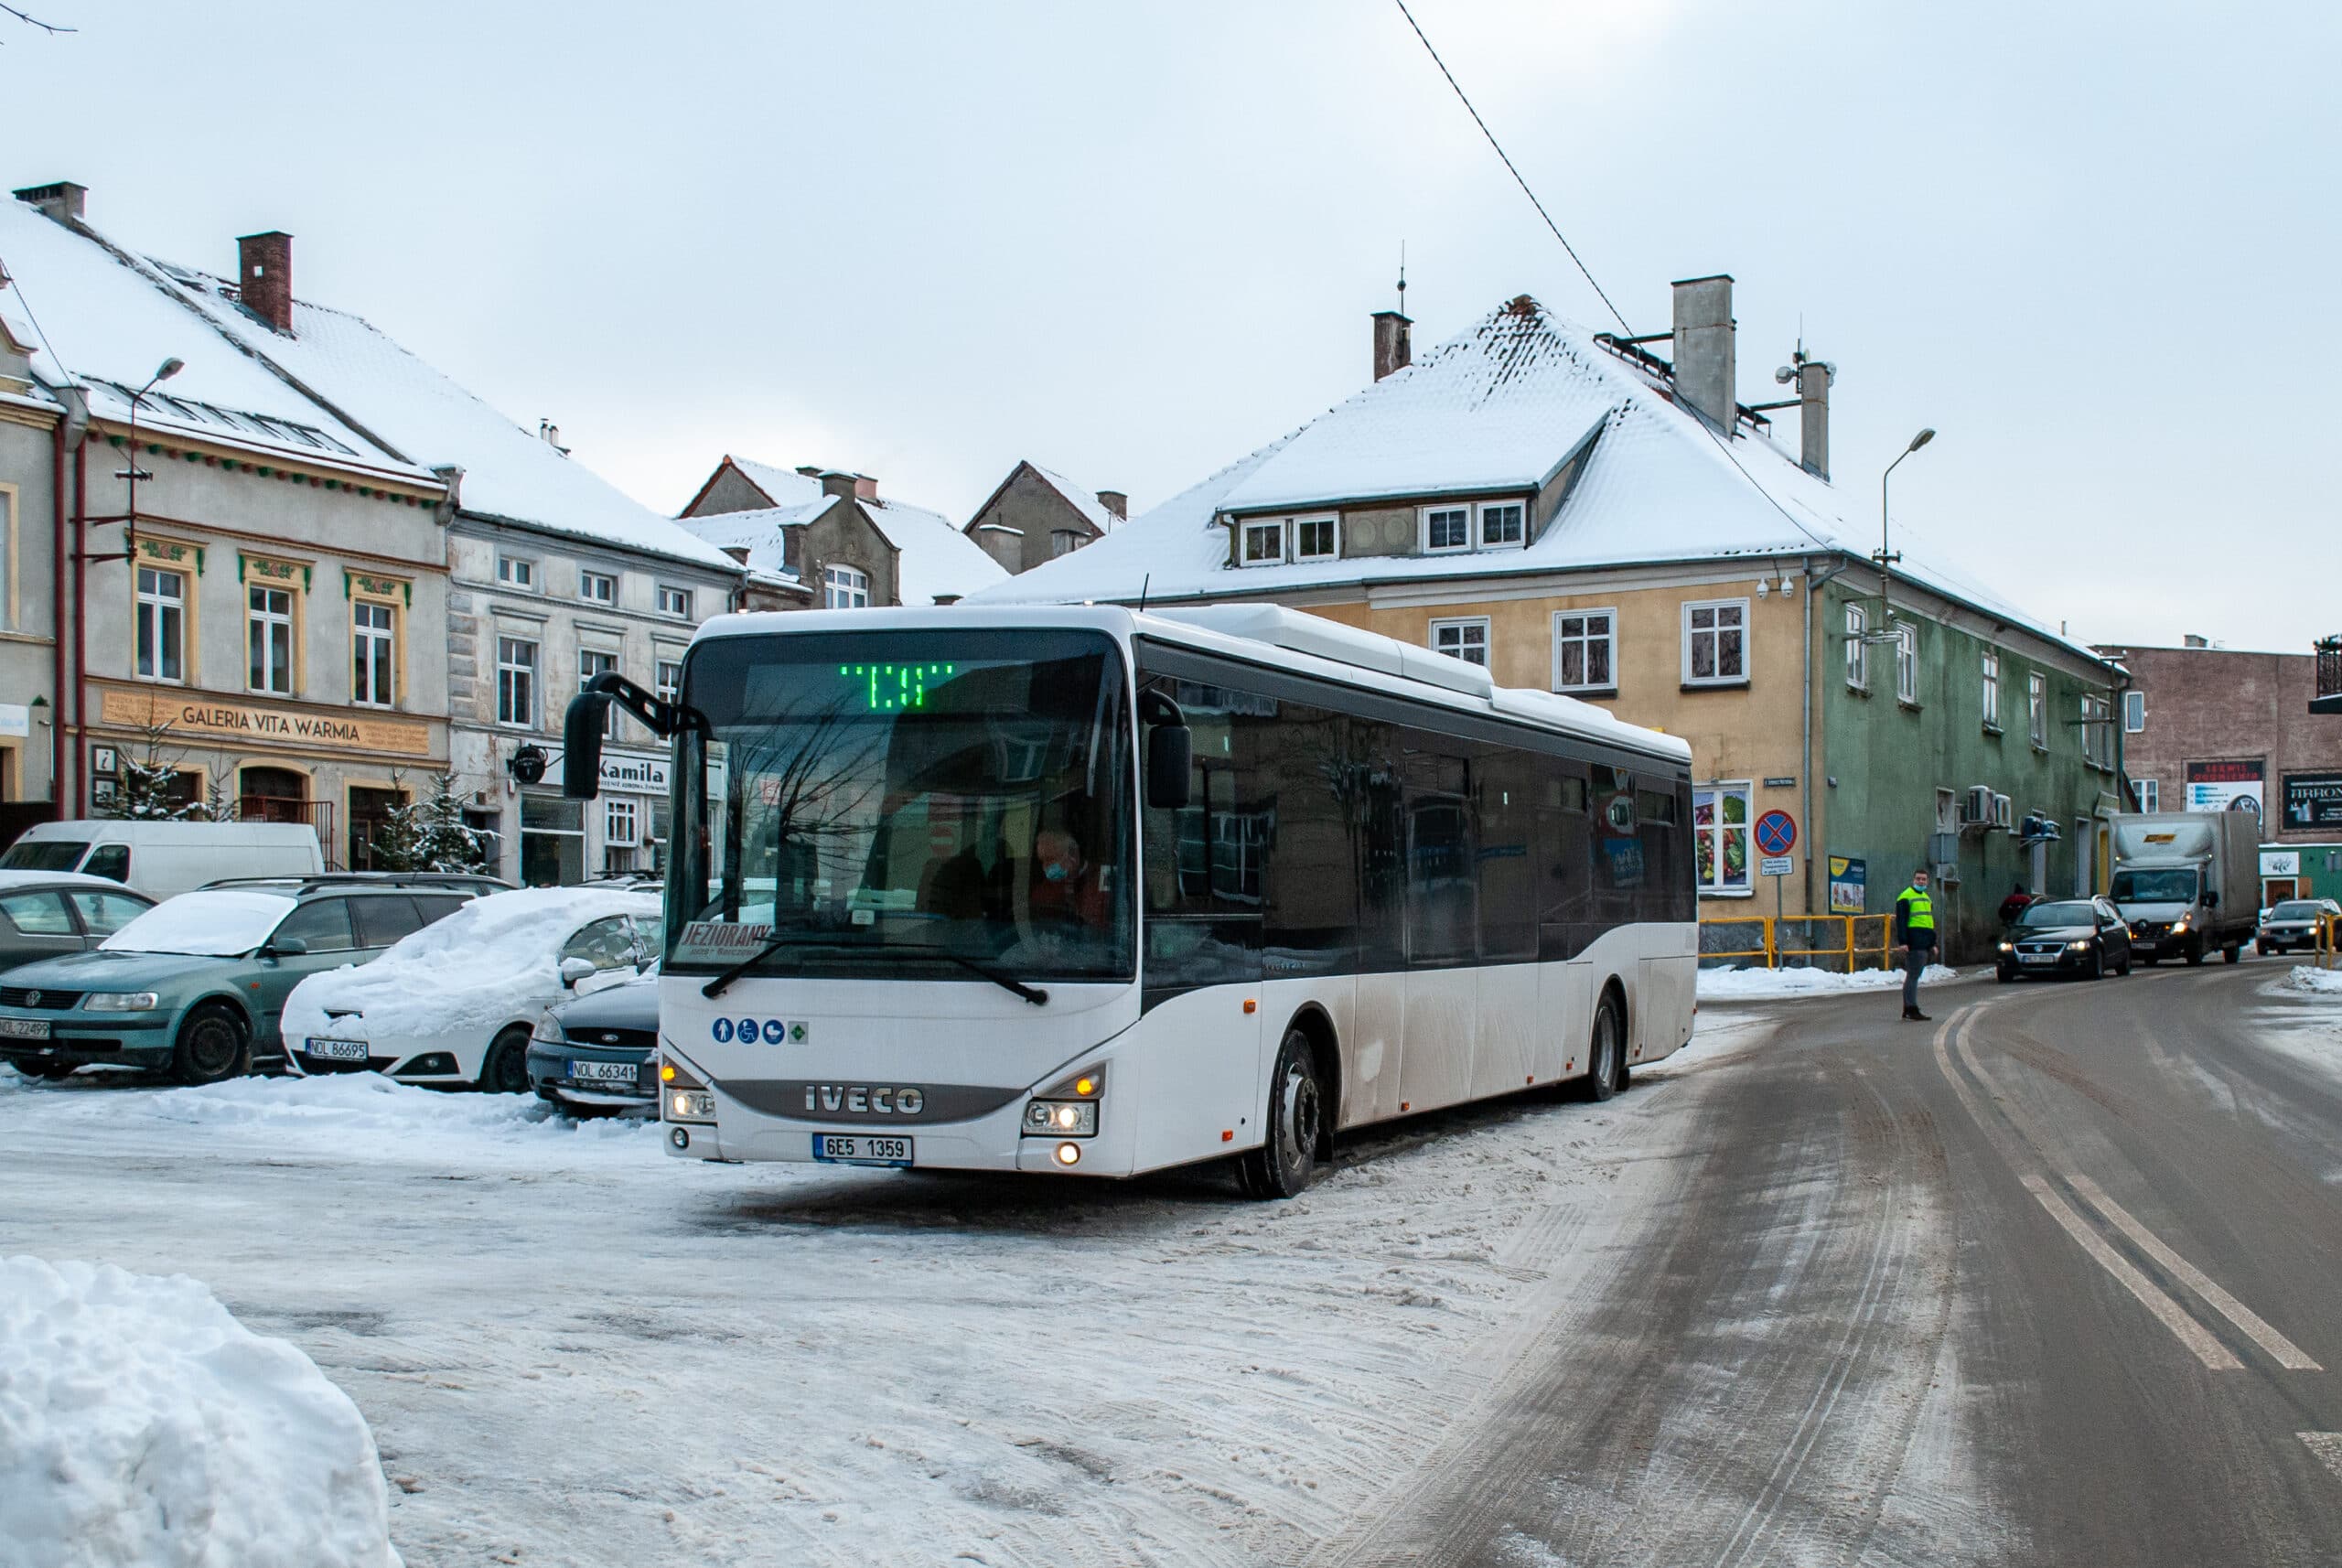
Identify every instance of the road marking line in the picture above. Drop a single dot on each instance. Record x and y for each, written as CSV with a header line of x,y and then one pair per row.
x,y
2190,1333
2327,1446
2288,1354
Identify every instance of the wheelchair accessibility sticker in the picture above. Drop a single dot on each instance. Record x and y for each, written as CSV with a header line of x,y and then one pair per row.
x,y
771,1031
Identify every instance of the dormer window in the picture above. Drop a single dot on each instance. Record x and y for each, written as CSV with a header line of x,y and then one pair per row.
x,y
1317,538
1447,528
1503,525
1263,545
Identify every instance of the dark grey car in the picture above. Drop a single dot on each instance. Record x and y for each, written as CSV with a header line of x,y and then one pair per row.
x,y
2066,936
597,1054
48,915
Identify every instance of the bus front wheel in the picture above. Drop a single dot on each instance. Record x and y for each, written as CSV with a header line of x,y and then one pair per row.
x,y
1603,1052
1287,1158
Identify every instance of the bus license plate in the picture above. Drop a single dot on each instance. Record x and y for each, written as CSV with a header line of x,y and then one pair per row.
x,y
604,1072
338,1050
24,1028
838,1149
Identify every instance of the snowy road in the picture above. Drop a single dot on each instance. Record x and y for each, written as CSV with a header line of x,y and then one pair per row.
x,y
1825,1289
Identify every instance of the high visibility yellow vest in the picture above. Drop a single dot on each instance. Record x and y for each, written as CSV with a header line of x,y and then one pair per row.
x,y
1920,911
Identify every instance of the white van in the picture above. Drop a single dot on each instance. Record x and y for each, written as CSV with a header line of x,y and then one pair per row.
x,y
164,859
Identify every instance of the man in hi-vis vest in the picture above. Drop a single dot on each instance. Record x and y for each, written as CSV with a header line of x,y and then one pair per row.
x,y
1915,933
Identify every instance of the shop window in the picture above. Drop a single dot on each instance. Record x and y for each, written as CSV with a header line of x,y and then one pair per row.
x,y
553,841
1720,823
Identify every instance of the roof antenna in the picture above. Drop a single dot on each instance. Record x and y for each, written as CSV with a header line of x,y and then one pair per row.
x,y
1402,277
1142,582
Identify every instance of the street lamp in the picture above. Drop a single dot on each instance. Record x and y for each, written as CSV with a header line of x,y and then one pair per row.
x,y
1886,557
162,373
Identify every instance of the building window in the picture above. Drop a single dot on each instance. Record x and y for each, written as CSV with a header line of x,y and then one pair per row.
x,y
621,822
2135,712
1992,690
1857,650
1720,818
2148,793
592,662
8,553
1503,524
844,588
1907,663
1585,651
373,636
1264,544
2036,710
1064,540
1447,528
162,623
1946,812
516,572
1715,643
1317,539
553,841
667,682
516,682
2098,732
597,587
268,640
1465,639
674,601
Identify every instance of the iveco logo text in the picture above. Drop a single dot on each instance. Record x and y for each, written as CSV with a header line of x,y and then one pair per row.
x,y
772,1031
863,1098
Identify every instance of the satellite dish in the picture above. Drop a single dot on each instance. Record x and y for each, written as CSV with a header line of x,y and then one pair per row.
x,y
1785,375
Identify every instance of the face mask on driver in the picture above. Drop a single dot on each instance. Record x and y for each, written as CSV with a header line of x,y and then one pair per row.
x,y
1056,871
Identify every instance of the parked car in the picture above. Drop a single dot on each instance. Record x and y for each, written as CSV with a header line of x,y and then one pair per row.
x,y
165,859
2294,925
50,914
455,1004
596,1055
2066,936
198,982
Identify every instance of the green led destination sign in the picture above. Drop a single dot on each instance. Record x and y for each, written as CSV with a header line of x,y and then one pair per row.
x,y
892,688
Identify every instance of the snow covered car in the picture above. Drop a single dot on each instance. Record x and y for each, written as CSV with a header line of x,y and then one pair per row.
x,y
196,984
2294,924
455,1004
595,1055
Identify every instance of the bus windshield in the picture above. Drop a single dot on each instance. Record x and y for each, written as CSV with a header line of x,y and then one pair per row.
x,y
906,804
2176,884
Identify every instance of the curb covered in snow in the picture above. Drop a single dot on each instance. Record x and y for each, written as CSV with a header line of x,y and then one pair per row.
x,y
1761,984
2314,981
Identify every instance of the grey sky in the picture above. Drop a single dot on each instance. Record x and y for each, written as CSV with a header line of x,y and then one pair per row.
x,y
2087,242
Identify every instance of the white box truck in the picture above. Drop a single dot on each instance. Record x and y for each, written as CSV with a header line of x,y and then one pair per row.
x,y
2188,882
162,859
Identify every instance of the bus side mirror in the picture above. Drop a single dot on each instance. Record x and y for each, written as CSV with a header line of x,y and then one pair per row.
x,y
581,744
1167,760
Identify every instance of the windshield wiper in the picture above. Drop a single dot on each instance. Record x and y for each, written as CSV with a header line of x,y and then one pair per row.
x,y
1033,993
723,983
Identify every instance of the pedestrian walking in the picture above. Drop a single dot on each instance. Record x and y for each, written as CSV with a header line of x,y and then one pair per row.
x,y
2013,904
1915,931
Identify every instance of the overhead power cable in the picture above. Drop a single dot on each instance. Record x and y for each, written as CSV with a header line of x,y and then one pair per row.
x,y
1510,169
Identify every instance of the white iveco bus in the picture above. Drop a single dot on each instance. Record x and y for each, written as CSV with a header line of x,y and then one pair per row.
x,y
1086,890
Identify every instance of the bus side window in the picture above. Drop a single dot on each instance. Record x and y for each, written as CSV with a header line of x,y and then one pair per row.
x,y
1205,865
1506,785
1564,860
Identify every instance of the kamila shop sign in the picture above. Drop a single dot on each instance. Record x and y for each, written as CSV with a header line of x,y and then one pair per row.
x,y
633,773
193,718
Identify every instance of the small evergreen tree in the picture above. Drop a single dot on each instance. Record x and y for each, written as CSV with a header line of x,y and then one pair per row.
x,y
145,790
218,805
428,835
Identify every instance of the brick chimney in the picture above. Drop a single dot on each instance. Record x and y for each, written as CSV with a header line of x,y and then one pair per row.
x,y
2192,641
865,488
264,277
60,202
1390,348
1706,375
1813,379
1118,503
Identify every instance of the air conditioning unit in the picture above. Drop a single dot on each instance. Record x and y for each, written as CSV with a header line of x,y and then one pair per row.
x,y
1976,807
2004,812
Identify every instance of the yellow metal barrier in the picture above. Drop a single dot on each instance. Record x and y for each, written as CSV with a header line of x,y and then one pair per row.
x,y
1841,943
2329,939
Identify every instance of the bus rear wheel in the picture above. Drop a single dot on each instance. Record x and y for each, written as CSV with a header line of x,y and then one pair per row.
x,y
1602,1053
1286,1160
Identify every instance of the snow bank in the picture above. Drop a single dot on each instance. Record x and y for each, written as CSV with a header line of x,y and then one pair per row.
x,y
218,923
2314,981
358,1116
1753,985
479,967
142,1426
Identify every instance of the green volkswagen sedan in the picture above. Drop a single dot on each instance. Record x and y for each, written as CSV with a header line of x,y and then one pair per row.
x,y
197,983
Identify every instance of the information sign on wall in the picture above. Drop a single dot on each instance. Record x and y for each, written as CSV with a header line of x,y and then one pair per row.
x,y
1847,878
2225,786
2312,801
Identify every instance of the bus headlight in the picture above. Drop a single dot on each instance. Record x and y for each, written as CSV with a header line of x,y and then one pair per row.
x,y
1061,1119
690,1105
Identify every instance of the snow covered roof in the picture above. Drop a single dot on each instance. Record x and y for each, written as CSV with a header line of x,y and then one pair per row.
x,y
936,558
1086,503
1501,406
336,390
